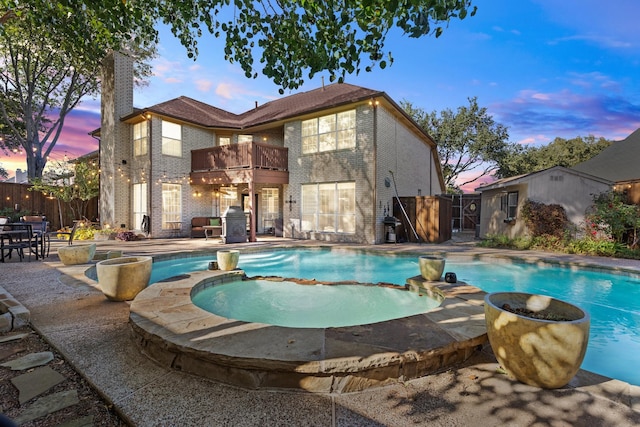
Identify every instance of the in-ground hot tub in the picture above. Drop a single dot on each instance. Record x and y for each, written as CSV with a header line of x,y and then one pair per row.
x,y
178,334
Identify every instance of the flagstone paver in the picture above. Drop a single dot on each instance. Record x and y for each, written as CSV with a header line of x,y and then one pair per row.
x,y
36,382
29,361
48,405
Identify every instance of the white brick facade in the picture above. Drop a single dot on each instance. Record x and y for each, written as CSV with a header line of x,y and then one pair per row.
x,y
389,149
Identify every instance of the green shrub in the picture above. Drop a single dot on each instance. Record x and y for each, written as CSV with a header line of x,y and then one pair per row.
x,y
584,246
544,220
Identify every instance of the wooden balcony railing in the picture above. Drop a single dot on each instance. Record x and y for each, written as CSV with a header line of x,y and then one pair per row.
x,y
250,155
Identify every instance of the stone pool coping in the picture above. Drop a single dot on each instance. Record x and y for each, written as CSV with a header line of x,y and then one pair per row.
x,y
171,330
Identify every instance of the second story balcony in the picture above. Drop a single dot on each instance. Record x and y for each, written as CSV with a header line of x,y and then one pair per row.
x,y
241,162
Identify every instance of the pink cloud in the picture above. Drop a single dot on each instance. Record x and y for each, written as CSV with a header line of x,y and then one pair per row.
x,y
74,140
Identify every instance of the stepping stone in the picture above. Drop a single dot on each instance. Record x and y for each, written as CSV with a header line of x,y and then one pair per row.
x,y
38,381
48,405
8,352
79,422
14,337
29,361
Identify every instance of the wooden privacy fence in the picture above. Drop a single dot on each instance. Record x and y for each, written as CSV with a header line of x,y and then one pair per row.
x,y
16,199
430,217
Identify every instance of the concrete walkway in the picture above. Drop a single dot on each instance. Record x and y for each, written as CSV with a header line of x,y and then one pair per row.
x,y
94,335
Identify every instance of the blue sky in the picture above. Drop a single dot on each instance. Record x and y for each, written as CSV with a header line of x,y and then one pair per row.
x,y
543,68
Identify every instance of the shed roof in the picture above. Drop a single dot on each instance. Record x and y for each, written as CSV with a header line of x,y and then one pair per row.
x,y
519,179
618,162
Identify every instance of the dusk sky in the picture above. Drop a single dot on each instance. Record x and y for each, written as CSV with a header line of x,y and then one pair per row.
x,y
543,68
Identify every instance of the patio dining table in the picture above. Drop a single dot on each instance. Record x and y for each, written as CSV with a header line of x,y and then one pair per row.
x,y
19,236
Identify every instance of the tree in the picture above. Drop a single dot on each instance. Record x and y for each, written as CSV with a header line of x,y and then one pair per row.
x,y
291,36
468,140
42,78
560,152
613,215
72,183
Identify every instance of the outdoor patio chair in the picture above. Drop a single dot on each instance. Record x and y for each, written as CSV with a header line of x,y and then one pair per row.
x,y
40,229
67,233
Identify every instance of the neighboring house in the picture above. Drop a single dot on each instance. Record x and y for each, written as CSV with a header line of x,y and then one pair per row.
x,y
502,200
620,163
313,165
19,178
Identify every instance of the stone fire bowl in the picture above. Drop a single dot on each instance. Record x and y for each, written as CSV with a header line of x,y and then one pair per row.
x,y
539,352
121,279
77,254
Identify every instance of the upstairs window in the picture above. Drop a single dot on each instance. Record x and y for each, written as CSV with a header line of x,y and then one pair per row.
x,y
329,133
224,140
140,141
171,139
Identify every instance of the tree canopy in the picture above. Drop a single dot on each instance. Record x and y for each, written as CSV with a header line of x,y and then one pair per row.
x,y
290,38
43,76
559,152
467,139
72,183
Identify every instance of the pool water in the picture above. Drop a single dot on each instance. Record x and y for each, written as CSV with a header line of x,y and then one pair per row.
x,y
310,306
612,300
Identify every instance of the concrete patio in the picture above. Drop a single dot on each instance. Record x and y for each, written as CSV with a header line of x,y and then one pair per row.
x,y
95,336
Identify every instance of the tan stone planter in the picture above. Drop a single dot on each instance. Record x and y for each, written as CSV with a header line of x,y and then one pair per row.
x,y
227,259
431,267
77,254
121,279
538,352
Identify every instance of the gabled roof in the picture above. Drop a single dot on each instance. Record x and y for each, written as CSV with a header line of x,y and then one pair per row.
x,y
189,110
618,162
323,98
519,179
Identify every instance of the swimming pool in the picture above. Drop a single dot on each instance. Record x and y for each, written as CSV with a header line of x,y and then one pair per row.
x,y
612,300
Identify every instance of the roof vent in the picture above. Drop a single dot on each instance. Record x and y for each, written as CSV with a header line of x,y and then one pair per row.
x,y
256,104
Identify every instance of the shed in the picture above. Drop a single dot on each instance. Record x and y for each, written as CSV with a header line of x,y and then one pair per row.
x,y
502,200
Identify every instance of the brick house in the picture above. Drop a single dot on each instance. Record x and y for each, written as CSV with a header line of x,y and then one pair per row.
x,y
323,164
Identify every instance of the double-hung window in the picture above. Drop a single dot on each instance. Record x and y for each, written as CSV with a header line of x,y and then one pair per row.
x,y
140,138
171,139
329,207
329,133
228,197
509,204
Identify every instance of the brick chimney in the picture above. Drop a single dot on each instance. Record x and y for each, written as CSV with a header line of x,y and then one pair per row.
x,y
115,145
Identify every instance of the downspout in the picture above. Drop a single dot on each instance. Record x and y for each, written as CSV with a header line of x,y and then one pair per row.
x,y
373,104
150,183
99,186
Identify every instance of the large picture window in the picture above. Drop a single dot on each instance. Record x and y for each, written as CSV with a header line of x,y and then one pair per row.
x,y
329,207
139,204
171,139
171,204
140,139
327,133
